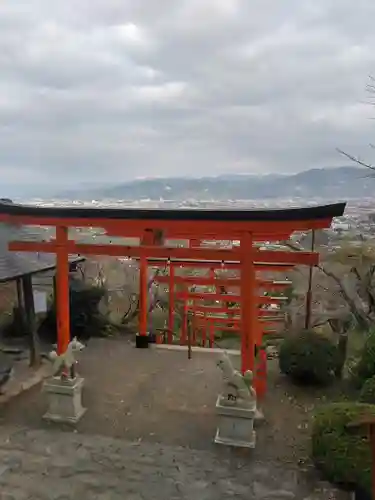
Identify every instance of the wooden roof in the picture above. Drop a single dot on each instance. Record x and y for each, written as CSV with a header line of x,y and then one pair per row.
x,y
14,265
227,215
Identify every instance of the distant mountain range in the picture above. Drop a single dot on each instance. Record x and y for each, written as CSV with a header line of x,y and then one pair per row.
x,y
326,183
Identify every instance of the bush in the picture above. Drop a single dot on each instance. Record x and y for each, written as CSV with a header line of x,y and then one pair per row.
x,y
367,394
308,358
365,368
85,319
343,455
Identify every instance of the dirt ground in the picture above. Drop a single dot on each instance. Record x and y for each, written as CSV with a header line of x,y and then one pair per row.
x,y
160,396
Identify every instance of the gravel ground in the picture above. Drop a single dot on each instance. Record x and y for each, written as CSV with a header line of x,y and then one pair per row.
x,y
148,434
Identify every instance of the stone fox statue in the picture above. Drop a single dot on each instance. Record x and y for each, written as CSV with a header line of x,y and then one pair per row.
x,y
65,364
238,387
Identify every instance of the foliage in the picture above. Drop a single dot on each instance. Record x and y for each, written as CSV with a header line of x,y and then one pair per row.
x,y
85,319
343,286
343,297
308,358
365,367
158,318
121,281
342,454
367,394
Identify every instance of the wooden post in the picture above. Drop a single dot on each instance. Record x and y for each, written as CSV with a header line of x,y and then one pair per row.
x,y
19,294
62,289
183,333
31,325
21,303
211,334
143,292
204,330
171,305
248,304
189,339
194,325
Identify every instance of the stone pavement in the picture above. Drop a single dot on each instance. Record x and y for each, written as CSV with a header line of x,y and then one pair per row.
x,y
56,465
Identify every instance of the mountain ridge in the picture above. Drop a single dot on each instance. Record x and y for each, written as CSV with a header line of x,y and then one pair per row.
x,y
331,183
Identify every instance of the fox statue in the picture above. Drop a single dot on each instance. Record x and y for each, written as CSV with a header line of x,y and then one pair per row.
x,y
64,365
238,387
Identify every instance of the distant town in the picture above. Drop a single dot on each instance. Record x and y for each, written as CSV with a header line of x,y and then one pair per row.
x,y
357,223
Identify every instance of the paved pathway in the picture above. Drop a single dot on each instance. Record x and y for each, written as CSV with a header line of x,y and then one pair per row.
x,y
57,465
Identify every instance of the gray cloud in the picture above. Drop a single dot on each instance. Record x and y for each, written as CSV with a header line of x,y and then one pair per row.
x,y
109,91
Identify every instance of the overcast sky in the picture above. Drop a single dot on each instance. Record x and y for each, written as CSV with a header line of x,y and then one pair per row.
x,y
112,90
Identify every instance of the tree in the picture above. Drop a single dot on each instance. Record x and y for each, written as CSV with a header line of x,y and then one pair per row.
x,y
343,291
120,279
345,282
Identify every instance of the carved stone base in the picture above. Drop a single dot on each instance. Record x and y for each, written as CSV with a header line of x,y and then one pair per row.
x,y
259,417
64,400
235,425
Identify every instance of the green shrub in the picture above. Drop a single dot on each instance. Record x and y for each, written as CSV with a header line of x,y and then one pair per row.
x,y
365,368
85,318
308,358
343,455
367,394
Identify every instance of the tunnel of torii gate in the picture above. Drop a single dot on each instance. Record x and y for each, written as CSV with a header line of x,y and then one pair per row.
x,y
226,313
154,227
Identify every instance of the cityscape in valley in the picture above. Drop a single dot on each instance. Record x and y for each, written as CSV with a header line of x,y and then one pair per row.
x,y
308,188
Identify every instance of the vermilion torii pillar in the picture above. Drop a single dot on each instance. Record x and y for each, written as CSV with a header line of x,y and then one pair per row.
x,y
62,289
249,312
171,304
143,296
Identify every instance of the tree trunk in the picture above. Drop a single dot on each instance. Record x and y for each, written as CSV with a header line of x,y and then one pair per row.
x,y
340,327
35,358
342,348
364,322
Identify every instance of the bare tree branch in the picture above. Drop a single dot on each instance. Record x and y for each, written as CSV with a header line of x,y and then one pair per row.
x,y
358,313
356,160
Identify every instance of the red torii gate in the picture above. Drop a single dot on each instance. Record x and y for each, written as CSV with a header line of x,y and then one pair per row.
x,y
205,312
153,227
172,279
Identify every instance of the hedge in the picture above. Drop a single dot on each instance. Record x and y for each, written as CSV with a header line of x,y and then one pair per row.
x,y
342,454
309,358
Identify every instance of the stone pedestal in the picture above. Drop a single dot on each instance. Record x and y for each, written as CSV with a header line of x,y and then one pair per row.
x,y
235,425
64,400
259,417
